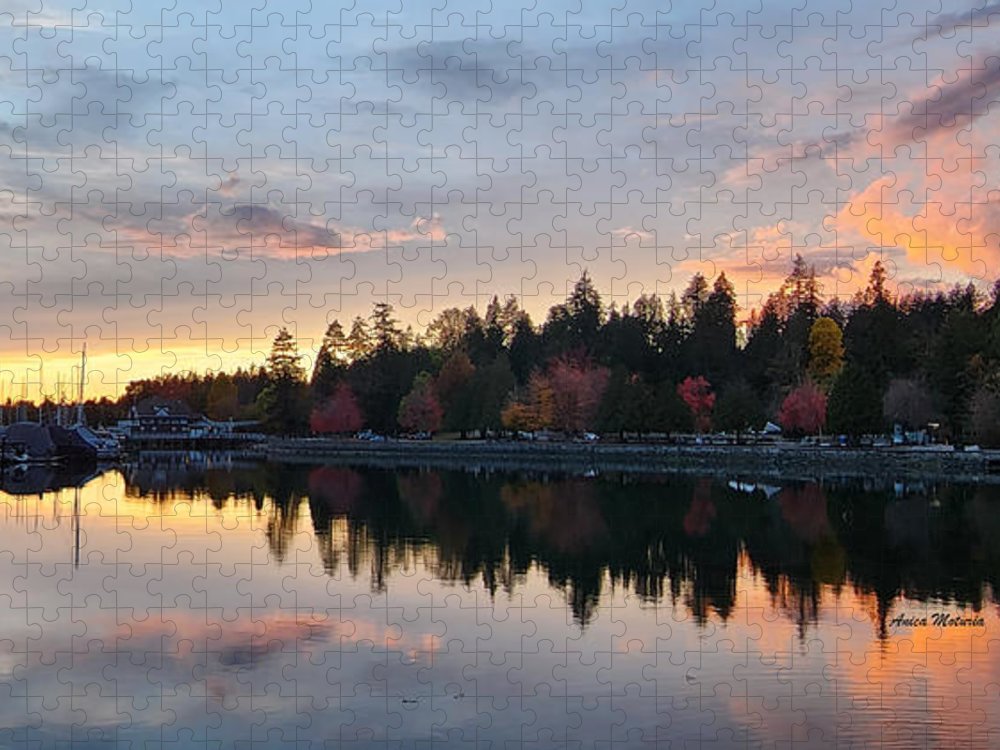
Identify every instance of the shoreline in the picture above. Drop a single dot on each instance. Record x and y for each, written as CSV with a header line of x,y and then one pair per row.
x,y
773,461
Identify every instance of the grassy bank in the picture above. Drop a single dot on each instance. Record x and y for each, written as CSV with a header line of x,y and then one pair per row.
x,y
778,461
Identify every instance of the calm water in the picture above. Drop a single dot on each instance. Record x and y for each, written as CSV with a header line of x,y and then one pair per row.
x,y
349,607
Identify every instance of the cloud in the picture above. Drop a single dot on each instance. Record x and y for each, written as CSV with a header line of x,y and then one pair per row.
x,y
187,231
953,104
974,17
933,199
947,230
263,220
267,230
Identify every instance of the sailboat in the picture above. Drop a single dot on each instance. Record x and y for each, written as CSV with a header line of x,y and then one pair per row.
x,y
80,440
105,445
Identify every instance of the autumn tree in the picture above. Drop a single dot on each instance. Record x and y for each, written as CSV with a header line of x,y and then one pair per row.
x,y
826,352
541,401
803,412
420,410
535,409
697,395
577,388
338,413
519,417
454,385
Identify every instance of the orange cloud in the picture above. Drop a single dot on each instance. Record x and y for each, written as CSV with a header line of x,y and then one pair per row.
x,y
935,227
934,199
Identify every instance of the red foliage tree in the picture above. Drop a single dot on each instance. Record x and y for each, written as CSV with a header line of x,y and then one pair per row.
x,y
577,389
339,413
420,410
697,394
803,411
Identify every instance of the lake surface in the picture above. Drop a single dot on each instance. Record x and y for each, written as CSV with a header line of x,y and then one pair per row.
x,y
228,605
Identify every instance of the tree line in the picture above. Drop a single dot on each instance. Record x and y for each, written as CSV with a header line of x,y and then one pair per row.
x,y
653,367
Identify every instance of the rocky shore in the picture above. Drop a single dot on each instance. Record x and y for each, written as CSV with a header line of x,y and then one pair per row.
x,y
782,461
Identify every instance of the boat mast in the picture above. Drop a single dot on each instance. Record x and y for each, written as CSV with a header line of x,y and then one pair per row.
x,y
83,374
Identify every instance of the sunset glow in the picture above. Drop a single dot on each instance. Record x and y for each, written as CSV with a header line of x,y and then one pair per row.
x,y
172,203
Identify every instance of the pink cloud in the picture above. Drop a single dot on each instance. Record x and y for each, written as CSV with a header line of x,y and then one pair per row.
x,y
264,231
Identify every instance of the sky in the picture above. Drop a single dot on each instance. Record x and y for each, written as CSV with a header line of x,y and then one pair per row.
x,y
179,181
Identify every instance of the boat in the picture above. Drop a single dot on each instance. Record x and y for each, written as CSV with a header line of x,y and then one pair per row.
x,y
28,443
104,444
35,443
78,440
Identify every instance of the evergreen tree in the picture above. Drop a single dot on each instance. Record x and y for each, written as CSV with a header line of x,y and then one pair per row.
x,y
359,340
331,361
492,384
222,401
525,350
283,403
739,409
694,297
575,325
712,344
855,404
385,332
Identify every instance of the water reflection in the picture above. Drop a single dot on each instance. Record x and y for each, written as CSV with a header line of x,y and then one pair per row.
x,y
658,536
417,605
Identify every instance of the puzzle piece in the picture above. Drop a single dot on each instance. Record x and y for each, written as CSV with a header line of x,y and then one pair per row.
x,y
587,235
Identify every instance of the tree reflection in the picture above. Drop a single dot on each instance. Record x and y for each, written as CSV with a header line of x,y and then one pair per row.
x,y
676,538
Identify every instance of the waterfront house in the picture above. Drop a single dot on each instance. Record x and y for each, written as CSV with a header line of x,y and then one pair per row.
x,y
157,422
